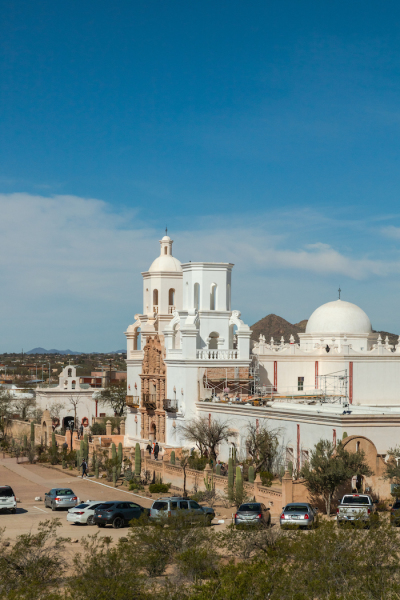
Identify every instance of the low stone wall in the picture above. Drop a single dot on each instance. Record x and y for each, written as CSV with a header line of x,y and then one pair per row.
x,y
271,497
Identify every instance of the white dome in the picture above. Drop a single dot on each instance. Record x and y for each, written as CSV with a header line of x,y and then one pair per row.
x,y
167,264
339,317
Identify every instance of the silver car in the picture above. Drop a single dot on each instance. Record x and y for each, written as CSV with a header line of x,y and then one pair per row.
x,y
301,514
60,498
253,513
175,505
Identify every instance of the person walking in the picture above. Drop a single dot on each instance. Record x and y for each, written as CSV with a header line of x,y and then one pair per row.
x,y
84,468
156,451
81,431
149,449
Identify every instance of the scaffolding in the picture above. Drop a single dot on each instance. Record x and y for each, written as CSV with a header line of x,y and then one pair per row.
x,y
334,386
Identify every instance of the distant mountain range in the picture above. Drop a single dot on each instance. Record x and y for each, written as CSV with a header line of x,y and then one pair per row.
x,y
72,352
276,327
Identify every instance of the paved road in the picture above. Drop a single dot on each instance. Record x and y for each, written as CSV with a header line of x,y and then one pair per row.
x,y
29,481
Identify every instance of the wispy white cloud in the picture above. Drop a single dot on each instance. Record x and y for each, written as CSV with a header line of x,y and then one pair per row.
x,y
70,266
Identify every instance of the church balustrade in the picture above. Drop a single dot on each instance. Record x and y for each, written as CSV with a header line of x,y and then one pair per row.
x,y
132,401
217,354
171,309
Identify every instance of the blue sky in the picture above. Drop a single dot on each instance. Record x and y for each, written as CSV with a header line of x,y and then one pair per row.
x,y
264,134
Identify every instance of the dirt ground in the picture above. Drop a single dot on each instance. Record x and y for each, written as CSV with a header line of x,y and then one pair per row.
x,y
30,481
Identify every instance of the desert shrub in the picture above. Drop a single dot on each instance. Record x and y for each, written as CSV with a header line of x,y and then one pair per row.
x,y
266,478
98,429
136,485
159,488
197,462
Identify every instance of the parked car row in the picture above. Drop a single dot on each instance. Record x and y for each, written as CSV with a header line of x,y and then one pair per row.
x,y
118,513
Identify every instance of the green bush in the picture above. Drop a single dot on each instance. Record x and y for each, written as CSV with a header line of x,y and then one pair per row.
x,y
159,488
98,429
136,485
266,478
196,462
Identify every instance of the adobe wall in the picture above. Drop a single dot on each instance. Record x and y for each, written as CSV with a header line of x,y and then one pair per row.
x,y
271,497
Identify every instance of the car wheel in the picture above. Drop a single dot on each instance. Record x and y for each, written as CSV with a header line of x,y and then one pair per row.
x,y
118,523
13,511
90,520
209,521
101,524
53,507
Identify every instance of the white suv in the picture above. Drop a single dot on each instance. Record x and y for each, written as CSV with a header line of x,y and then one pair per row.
x,y
8,500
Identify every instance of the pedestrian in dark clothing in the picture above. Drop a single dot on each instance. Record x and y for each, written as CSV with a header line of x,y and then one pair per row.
x,y
84,468
156,450
148,448
81,431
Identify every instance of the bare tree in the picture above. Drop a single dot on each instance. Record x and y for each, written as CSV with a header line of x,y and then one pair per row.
x,y
24,406
55,409
6,410
184,463
207,434
262,445
115,396
74,402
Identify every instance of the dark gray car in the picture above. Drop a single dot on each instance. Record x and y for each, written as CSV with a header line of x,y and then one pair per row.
x,y
299,513
60,498
253,513
117,513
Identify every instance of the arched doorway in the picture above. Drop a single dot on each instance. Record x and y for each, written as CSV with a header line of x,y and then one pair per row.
x,y
67,421
153,432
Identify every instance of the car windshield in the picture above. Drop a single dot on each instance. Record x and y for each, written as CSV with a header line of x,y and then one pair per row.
x,y
297,508
160,505
6,492
82,506
253,507
64,493
355,500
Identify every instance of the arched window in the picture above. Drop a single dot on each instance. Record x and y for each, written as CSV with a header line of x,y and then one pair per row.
x,y
171,300
196,301
155,301
165,250
73,384
213,296
69,372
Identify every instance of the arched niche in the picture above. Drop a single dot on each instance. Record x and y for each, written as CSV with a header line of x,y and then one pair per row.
x,y
171,300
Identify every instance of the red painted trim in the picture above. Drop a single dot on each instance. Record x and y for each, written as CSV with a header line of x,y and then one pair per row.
x,y
351,382
298,449
316,374
275,375
334,437
96,407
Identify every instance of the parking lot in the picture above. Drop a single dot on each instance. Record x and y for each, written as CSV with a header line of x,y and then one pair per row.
x,y
30,481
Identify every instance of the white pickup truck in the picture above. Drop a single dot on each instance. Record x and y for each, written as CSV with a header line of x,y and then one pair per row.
x,y
355,507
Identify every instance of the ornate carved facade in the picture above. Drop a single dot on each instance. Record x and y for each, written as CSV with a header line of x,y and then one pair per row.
x,y
153,387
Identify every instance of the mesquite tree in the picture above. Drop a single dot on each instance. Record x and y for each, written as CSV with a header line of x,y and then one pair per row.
x,y
329,466
207,434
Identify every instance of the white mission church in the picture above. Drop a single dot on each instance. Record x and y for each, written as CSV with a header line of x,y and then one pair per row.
x,y
189,353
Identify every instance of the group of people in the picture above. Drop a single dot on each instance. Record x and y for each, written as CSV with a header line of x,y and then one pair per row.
x,y
153,448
